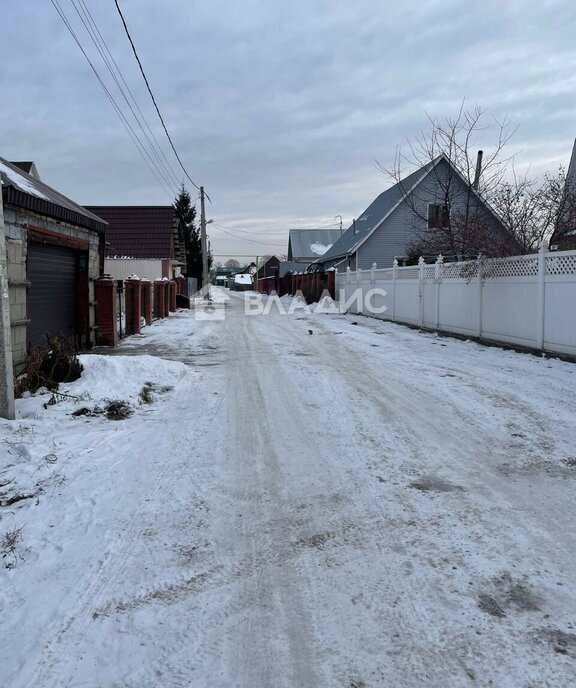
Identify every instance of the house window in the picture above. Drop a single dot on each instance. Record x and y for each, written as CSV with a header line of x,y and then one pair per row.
x,y
438,215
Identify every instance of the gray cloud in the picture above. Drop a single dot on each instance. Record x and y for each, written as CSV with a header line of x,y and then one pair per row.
x,y
279,108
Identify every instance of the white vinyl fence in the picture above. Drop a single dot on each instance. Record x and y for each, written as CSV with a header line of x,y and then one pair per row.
x,y
524,300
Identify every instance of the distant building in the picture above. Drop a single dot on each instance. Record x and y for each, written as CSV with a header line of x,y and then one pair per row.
x,y
307,245
141,240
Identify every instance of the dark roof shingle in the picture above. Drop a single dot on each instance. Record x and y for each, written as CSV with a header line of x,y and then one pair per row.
x,y
138,231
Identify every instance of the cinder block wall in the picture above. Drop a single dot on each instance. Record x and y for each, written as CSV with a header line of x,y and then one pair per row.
x,y
15,227
16,255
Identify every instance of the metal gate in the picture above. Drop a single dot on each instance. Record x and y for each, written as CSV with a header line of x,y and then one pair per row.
x,y
51,272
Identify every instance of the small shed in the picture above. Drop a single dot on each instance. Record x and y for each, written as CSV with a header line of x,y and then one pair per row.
x,y
55,251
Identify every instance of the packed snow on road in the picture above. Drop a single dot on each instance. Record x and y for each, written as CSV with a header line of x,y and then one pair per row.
x,y
302,500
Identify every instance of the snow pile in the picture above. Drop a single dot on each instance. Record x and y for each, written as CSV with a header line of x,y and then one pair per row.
x,y
325,305
320,249
211,295
104,378
292,303
219,295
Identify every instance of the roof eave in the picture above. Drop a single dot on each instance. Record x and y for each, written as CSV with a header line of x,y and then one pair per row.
x,y
14,196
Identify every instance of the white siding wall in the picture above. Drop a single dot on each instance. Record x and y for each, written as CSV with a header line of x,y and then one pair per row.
x,y
121,269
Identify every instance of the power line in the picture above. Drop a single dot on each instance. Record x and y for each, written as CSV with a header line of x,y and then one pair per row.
x,y
154,99
110,97
162,172
245,231
252,241
280,233
155,148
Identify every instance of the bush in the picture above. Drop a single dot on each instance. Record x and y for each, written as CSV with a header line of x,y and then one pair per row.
x,y
49,365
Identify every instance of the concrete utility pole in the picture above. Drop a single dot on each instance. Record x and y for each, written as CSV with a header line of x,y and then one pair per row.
x,y
204,243
340,216
7,409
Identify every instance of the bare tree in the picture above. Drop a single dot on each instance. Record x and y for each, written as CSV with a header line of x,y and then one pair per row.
x,y
537,210
458,222
232,263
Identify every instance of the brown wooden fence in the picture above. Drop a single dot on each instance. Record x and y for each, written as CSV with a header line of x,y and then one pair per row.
x,y
313,284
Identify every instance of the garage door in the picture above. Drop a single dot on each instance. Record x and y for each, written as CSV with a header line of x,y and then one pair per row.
x,y
51,271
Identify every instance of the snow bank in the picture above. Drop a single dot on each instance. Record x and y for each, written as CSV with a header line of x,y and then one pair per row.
x,y
108,377
325,305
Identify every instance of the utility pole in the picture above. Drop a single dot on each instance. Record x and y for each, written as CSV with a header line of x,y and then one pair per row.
x,y
204,244
7,409
340,216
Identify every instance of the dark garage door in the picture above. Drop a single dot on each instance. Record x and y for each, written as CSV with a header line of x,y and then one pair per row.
x,y
51,271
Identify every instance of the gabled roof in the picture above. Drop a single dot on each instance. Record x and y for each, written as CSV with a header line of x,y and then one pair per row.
x,y
29,167
375,213
571,174
138,231
383,206
269,268
25,191
307,243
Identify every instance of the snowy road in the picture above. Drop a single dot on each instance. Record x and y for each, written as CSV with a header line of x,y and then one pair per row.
x,y
363,506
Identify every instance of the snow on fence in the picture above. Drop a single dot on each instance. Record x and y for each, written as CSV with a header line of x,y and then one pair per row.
x,y
524,300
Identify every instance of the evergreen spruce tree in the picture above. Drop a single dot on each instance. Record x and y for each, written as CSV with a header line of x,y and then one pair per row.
x,y
190,235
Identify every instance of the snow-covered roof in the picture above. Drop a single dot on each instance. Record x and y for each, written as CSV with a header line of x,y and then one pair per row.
x,y
24,190
243,278
310,243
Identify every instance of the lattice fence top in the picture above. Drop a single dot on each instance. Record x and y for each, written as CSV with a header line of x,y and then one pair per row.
x,y
461,270
561,264
518,266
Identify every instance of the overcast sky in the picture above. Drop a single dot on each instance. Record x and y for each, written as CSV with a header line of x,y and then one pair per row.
x,y
279,108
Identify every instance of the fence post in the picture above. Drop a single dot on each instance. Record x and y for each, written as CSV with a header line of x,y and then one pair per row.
x,y
480,294
394,268
421,268
541,294
438,276
106,314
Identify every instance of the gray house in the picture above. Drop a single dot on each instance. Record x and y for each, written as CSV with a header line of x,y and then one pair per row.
x,y
396,221
564,239
307,245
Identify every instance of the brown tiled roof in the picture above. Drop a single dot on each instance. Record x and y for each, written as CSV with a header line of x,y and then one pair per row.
x,y
137,231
